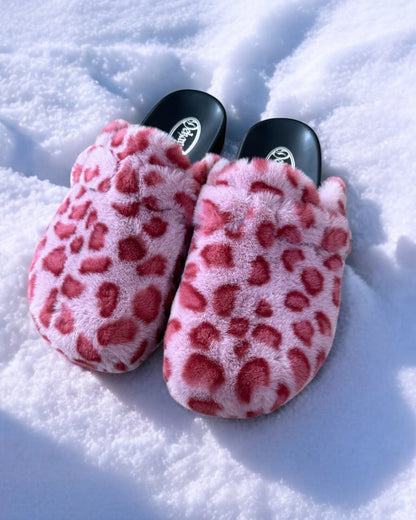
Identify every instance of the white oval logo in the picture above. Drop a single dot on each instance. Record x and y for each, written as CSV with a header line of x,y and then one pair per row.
x,y
282,154
187,133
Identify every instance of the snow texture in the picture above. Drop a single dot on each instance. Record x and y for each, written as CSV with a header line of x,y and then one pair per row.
x,y
76,444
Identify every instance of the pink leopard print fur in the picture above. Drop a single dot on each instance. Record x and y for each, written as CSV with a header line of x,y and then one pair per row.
x,y
256,311
103,275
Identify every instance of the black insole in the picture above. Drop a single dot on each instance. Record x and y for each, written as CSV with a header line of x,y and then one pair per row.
x,y
285,140
195,119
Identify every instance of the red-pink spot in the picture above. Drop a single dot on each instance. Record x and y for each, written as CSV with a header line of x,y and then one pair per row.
x,y
259,186
304,331
341,208
333,263
282,395
324,323
31,287
191,271
155,227
147,303
260,164
268,335
336,292
175,155
90,173
300,366
224,299
114,126
191,298
82,191
202,372
305,215
156,265
174,325
265,234
234,234
254,374
296,301
200,172
118,137
71,287
104,185
127,210
78,212
63,207
139,352
131,249
203,335
117,332
212,218
76,173
86,349
292,176
64,230
136,143
76,244
207,407
238,327
260,271
107,296
55,261
166,368
97,238
48,308
65,321
152,178
290,233
218,255
98,264
126,181
154,160
264,309
186,202
120,366
291,257
312,280
92,218
310,195
334,239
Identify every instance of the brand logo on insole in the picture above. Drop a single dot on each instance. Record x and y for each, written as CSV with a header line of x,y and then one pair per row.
x,y
187,133
281,154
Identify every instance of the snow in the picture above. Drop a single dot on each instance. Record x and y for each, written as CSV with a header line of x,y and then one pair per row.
x,y
75,444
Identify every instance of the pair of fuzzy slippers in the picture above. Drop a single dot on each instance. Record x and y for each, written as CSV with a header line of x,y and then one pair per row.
x,y
236,265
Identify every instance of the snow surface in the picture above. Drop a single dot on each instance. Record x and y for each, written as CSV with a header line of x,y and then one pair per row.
x,y
75,444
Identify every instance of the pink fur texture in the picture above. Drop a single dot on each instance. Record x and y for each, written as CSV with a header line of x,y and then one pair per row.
x,y
256,311
103,275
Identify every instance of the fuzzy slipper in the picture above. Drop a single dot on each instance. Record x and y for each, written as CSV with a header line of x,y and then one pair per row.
x,y
255,314
103,275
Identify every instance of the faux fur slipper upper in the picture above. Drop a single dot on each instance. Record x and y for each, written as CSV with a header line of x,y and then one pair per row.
x,y
256,311
103,275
